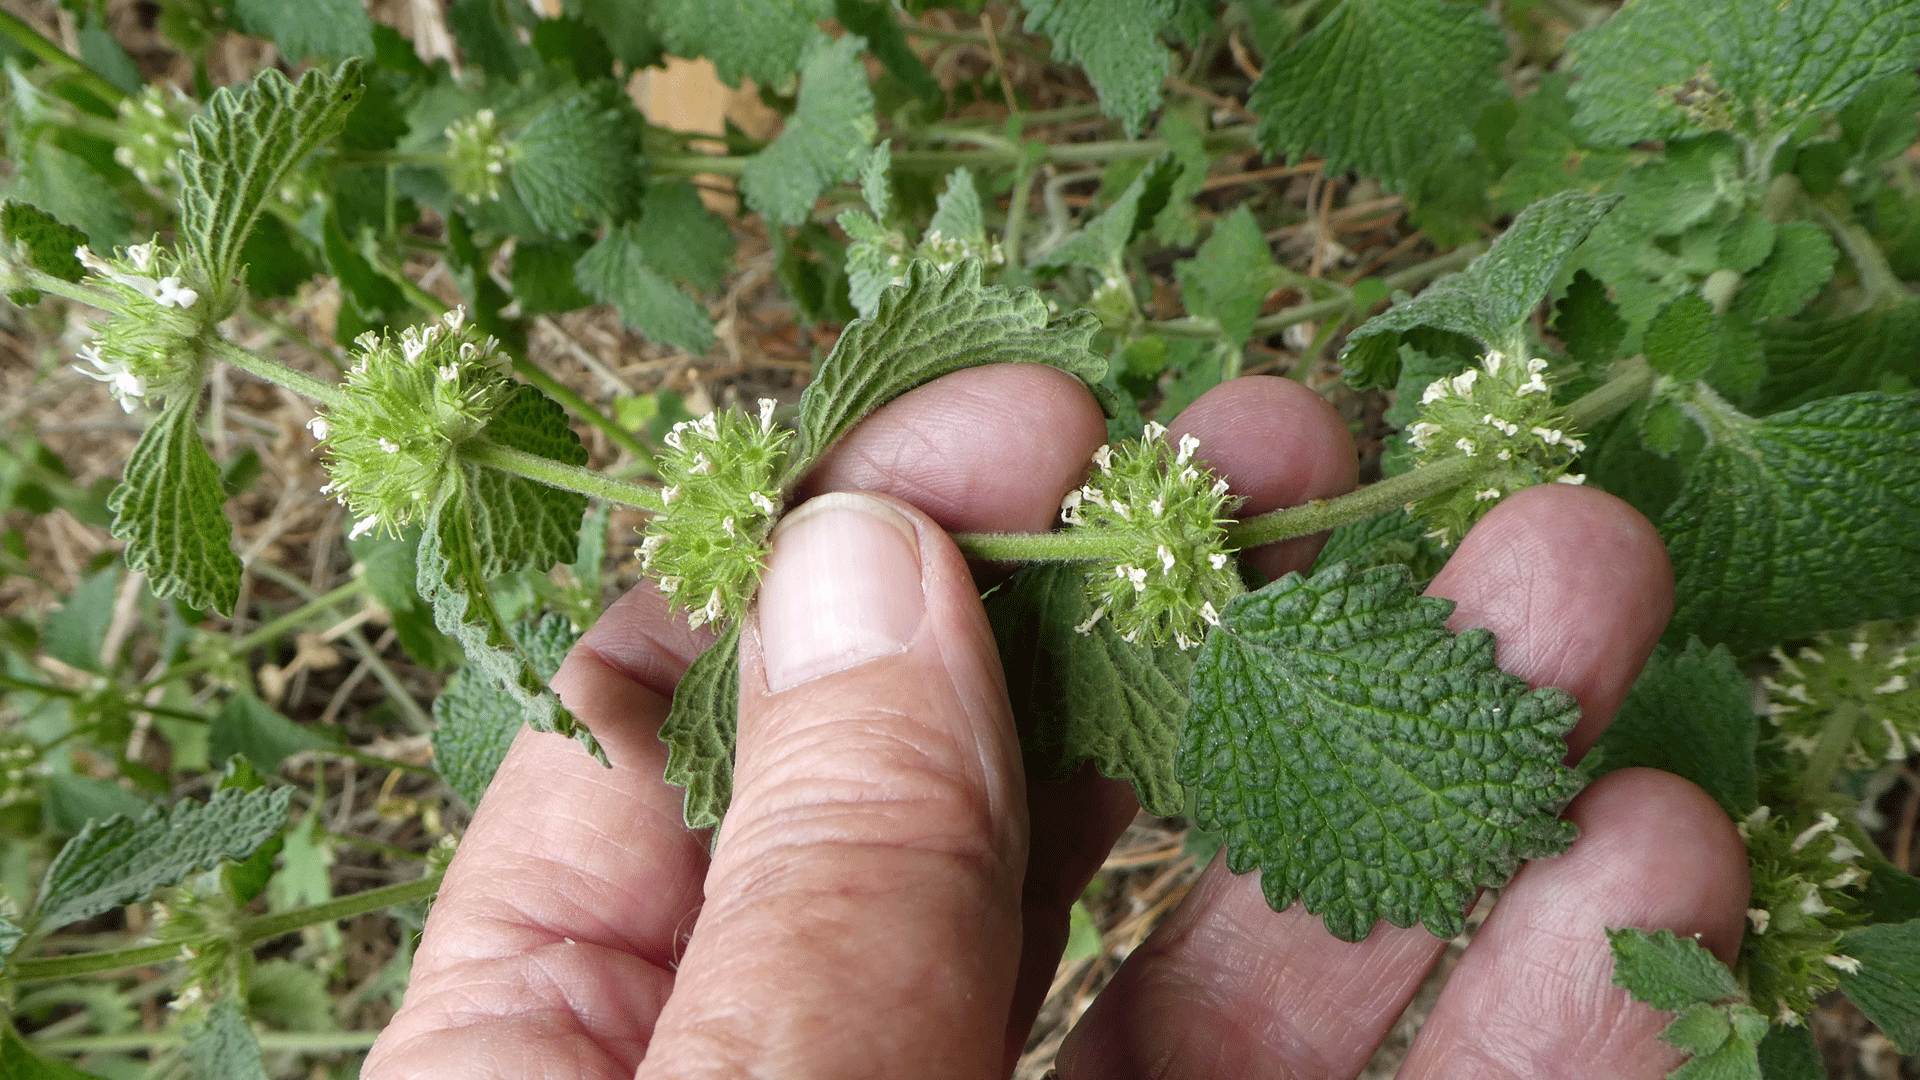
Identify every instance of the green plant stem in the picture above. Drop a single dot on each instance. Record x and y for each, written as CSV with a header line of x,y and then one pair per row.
x,y
1420,273
557,474
1013,237
1225,139
293,1042
264,634
1816,783
277,373
1071,546
1627,382
50,690
396,690
13,26
1877,278
249,932
580,407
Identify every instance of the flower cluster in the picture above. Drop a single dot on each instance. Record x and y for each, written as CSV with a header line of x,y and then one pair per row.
x,y
1874,675
150,348
1502,414
719,500
19,769
1806,878
477,157
1170,516
154,124
406,406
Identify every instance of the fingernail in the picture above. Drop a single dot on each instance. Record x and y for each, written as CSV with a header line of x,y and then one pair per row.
x,y
842,587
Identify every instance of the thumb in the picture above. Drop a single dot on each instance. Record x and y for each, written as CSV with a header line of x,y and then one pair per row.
x,y
862,913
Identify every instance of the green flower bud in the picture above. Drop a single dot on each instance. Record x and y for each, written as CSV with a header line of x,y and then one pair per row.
x,y
1501,413
152,347
394,438
1171,517
1874,673
1806,881
154,129
479,155
720,497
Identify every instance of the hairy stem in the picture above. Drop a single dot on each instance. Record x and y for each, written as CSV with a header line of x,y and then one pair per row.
x,y
563,476
1322,514
277,373
1877,278
16,28
284,1042
1627,382
1191,327
1071,546
1816,783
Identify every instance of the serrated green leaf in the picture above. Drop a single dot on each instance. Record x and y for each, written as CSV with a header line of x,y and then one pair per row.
x,y
1691,714
120,860
1587,322
1117,42
615,271
47,244
256,731
522,524
574,46
1681,342
1229,278
290,996
1550,154
543,276
701,729
1667,972
242,146
762,40
1804,521
1492,299
936,324
1802,260
1664,69
625,26
825,140
485,33
1790,1053
1699,1029
577,163
1809,361
475,725
876,21
224,1045
1884,988
334,29
1088,697
957,214
681,238
1099,243
1367,761
1735,1058
167,509
1391,539
62,185
1379,85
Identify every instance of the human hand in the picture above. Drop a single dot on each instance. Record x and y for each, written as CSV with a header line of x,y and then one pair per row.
x,y
889,896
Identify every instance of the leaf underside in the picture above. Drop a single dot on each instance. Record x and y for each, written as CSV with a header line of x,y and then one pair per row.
x,y
167,508
823,142
474,724
700,731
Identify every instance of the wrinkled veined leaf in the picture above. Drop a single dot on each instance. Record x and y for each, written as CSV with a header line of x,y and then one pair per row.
x,y
168,510
474,724
762,40
577,163
615,271
1378,85
334,29
1367,761
1802,260
120,860
522,524
701,729
957,214
48,244
224,1045
1117,42
1491,299
1883,988
1229,277
1715,1024
935,324
1691,714
1809,361
825,140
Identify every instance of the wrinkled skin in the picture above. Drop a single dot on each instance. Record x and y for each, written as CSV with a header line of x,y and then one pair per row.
x,y
890,895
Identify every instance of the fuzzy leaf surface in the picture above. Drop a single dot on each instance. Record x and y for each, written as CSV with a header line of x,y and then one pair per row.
x,y
49,245
701,728
1369,762
522,524
247,726
1118,44
167,508
1088,697
1691,714
121,859
576,163
10,935
681,238
1803,521
616,271
243,144
1889,955
1229,277
825,140
1814,360
224,1045
936,324
1379,85
1665,69
1802,260
1668,972
762,40
1492,298
474,725
333,29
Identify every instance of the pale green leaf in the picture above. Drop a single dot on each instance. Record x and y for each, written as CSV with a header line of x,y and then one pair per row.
x,y
1379,85
615,271
474,724
1667,972
1228,279
75,631
1884,989
1099,243
1809,361
701,728
243,145
1492,299
65,188
1117,42
223,1045
681,238
1680,342
1804,521
10,936
1080,697
1368,762
1664,69
167,509
577,163
875,185
825,140
935,324
291,996
762,40
522,524
334,29
876,258
1699,1029
1801,262
120,860
256,731
957,213
1690,714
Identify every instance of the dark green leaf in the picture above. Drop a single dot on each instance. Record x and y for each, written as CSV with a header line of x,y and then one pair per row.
x,y
48,245
224,1045
577,163
474,724
1550,154
1691,714
1789,1053
1080,697
1378,85
1117,42
102,52
615,271
1668,972
1389,539
1884,989
625,26
64,187
1802,261
681,238
277,263
1890,895
875,21
522,524
332,29
72,801
760,40
701,729
823,142
75,631
543,276
485,34
1587,322
1682,342
1804,521
1809,361
256,731
168,510
18,1061
575,45
1367,761
120,860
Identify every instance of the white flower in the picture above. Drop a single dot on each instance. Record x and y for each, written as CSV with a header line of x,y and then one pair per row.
x,y
171,293
1842,963
1761,918
1896,684
364,526
126,386
1486,495
318,425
